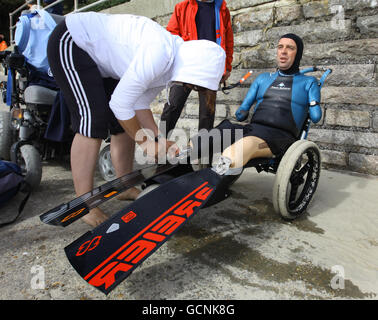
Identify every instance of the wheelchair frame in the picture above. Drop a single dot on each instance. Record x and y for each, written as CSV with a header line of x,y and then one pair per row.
x,y
299,167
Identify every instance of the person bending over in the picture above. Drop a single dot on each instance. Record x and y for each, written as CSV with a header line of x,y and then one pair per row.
x,y
110,68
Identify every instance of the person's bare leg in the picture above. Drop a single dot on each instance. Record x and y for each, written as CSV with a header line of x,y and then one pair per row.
x,y
246,149
84,154
122,149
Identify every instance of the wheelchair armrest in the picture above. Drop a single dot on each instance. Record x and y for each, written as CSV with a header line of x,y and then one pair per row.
x,y
3,55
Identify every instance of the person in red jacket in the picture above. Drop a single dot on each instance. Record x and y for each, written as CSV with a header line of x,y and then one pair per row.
x,y
197,20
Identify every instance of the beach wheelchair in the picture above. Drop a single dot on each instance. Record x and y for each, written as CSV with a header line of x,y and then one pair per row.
x,y
297,172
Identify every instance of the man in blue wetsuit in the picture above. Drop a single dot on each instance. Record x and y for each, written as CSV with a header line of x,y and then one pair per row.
x,y
283,99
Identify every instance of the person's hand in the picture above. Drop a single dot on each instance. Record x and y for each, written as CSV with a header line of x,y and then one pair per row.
x,y
161,149
172,149
241,114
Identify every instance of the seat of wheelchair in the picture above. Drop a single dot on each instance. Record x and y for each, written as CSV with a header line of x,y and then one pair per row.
x,y
39,95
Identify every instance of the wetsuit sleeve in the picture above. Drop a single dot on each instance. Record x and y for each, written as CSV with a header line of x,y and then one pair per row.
x,y
314,102
243,111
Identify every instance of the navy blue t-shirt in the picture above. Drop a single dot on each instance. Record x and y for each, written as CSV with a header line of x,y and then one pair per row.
x,y
205,21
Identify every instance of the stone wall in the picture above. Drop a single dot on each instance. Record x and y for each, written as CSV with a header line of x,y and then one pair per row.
x,y
338,34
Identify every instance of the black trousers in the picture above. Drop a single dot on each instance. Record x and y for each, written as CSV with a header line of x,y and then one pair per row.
x,y
177,98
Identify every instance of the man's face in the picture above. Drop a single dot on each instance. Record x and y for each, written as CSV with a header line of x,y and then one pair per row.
x,y
286,52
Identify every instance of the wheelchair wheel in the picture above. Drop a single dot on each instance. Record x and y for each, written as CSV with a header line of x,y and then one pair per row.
x,y
105,164
5,135
296,179
29,160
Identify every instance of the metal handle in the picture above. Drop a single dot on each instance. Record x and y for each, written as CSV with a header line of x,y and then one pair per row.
x,y
245,77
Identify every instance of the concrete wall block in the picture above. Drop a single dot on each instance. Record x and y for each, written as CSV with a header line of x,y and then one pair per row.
x,y
265,14
248,38
252,19
354,5
258,57
364,163
186,123
359,51
350,95
288,13
368,25
192,109
334,157
163,20
157,107
375,121
239,4
144,8
354,75
311,32
345,138
348,118
221,110
315,9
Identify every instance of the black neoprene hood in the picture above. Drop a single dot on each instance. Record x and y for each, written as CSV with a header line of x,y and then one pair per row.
x,y
298,41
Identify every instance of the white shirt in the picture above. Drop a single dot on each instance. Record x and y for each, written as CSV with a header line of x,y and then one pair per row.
x,y
134,49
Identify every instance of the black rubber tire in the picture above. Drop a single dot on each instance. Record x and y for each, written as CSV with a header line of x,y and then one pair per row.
x,y
5,135
31,165
299,170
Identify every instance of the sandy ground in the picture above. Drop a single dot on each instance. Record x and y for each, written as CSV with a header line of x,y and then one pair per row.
x,y
237,249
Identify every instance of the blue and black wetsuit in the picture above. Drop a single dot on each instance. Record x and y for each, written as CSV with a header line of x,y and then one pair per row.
x,y
283,101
